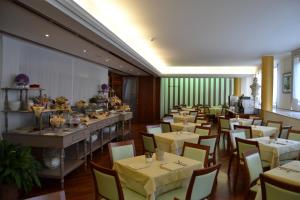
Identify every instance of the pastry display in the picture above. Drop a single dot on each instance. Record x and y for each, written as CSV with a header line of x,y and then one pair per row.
x,y
57,121
61,103
82,104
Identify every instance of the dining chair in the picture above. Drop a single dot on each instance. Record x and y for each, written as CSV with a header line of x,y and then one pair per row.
x,y
233,154
274,189
202,131
168,118
166,127
196,152
206,110
154,129
284,131
248,130
276,124
121,150
149,144
294,135
257,122
200,120
224,128
254,169
242,145
60,195
108,186
211,141
193,113
202,185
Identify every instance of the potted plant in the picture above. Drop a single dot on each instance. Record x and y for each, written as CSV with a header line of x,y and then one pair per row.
x,y
18,170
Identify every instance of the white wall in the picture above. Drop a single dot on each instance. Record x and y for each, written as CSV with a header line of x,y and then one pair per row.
x,y
245,85
60,74
284,66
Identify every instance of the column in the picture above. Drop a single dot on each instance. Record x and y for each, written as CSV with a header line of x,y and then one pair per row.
x,y
267,65
237,87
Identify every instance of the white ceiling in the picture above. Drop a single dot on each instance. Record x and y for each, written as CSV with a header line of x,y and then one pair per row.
x,y
217,32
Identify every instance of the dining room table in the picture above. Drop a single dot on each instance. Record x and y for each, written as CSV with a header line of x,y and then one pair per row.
x,y
183,118
215,110
287,173
240,121
277,150
264,131
172,142
152,178
182,126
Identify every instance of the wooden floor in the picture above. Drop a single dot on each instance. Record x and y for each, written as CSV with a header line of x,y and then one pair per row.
x,y
79,183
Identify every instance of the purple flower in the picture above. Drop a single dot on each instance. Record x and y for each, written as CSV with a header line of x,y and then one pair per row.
x,y
104,86
22,79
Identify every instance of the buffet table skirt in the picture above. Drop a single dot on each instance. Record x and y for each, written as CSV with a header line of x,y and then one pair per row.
x,y
189,127
289,173
173,142
275,150
154,178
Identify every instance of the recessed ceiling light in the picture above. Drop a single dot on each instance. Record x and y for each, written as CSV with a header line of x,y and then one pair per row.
x,y
84,51
47,35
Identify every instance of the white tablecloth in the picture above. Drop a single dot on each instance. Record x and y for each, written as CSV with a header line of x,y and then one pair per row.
x,y
283,174
182,118
264,131
275,150
173,142
240,121
153,179
189,127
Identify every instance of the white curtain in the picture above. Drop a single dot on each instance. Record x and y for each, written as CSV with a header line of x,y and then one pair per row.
x,y
296,84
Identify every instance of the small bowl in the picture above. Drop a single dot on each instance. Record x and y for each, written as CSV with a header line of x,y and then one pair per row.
x,y
14,105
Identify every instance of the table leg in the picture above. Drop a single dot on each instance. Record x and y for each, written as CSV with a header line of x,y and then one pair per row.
x,y
91,147
85,154
62,167
123,129
101,132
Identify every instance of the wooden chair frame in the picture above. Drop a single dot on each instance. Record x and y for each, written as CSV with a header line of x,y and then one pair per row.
x,y
204,125
276,122
190,113
283,185
256,119
201,127
111,172
197,146
237,127
293,131
150,136
168,124
213,159
288,128
225,133
117,144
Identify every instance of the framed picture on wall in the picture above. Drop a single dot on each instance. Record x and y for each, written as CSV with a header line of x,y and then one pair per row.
x,y
287,82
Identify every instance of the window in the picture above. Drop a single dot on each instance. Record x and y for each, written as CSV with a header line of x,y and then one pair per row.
x,y
296,84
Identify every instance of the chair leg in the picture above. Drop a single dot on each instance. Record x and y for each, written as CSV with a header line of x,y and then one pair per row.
x,y
229,165
237,174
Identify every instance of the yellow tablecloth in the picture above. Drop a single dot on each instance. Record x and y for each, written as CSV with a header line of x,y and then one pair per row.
x,y
189,127
273,151
173,142
240,121
283,174
153,179
188,109
182,118
264,131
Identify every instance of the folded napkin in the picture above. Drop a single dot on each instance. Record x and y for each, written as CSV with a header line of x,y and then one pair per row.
x,y
171,166
137,166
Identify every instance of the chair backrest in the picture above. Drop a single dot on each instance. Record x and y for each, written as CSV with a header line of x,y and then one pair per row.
x,y
202,131
166,127
51,196
154,129
107,183
243,145
149,144
273,189
253,165
206,110
202,183
294,135
284,131
224,123
193,113
210,140
200,120
276,124
206,125
236,134
248,130
196,152
257,121
121,150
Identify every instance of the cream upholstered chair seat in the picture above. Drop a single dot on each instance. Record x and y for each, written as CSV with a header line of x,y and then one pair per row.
x,y
196,152
201,185
149,143
121,150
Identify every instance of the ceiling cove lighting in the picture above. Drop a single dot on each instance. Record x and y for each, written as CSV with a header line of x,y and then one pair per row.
x,y
111,14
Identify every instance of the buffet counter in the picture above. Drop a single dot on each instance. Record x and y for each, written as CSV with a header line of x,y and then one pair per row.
x,y
84,139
